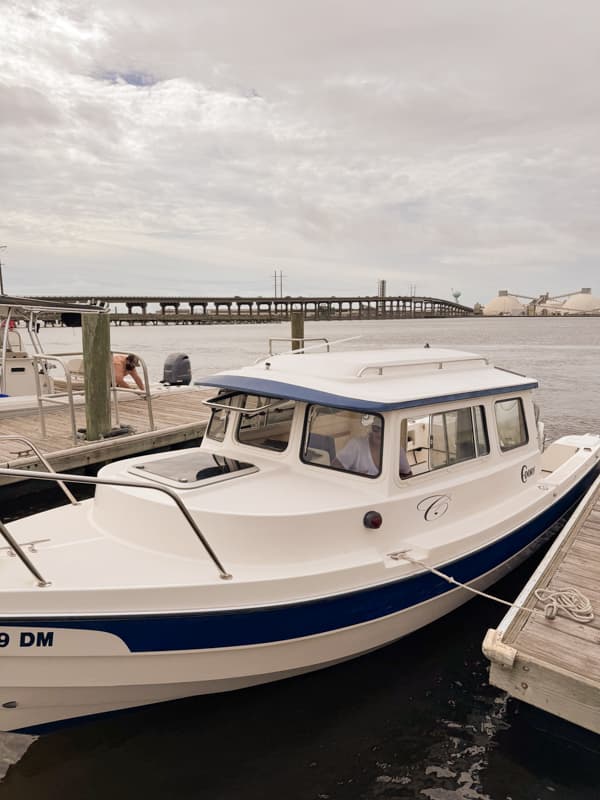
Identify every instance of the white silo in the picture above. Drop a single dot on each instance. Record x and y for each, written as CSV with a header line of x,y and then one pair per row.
x,y
584,302
505,305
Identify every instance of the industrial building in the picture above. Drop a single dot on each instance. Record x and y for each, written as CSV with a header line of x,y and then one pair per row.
x,y
508,304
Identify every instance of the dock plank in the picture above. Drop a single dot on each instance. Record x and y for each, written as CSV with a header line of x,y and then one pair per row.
x,y
588,632
557,647
569,575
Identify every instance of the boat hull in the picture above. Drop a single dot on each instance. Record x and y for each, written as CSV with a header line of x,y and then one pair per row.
x,y
108,663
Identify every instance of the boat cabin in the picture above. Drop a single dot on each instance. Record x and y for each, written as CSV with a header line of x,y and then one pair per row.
x,y
388,414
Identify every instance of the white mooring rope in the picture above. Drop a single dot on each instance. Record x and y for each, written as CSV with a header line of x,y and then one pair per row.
x,y
569,600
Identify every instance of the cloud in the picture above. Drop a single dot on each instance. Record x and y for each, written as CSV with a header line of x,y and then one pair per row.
x,y
23,106
447,145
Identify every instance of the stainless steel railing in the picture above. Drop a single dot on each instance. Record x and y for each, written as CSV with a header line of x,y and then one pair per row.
x,y
147,394
42,459
41,361
323,342
61,478
41,367
438,363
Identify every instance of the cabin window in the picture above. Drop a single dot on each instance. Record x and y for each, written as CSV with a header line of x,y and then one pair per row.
x,y
443,439
265,421
510,420
217,425
343,440
219,418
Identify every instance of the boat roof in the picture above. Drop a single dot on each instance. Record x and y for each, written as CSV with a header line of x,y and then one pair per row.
x,y
374,380
37,305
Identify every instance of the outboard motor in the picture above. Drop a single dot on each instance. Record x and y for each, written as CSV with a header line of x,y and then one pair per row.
x,y
177,370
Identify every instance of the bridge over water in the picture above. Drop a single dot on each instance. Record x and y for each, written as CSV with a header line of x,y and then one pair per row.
x,y
207,310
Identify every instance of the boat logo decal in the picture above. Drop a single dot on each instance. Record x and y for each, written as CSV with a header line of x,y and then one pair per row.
x,y
434,506
526,473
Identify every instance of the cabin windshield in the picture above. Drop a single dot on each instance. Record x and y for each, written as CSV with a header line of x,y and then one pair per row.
x,y
265,422
219,417
343,440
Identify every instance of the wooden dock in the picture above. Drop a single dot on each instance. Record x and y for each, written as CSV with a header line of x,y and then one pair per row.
x,y
554,664
179,416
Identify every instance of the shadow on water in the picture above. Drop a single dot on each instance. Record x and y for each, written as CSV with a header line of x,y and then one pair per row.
x,y
414,720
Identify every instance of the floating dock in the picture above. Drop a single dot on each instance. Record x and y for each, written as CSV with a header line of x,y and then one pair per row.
x,y
179,416
554,663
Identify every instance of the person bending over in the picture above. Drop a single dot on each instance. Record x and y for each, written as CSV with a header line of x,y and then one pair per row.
x,y
125,365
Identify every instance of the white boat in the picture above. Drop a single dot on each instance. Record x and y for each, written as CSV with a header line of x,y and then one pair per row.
x,y
31,377
26,370
290,540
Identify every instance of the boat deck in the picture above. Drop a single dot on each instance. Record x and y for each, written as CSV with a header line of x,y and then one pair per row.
x,y
556,662
179,416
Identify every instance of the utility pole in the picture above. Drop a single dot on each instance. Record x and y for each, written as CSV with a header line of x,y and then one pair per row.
x,y
2,247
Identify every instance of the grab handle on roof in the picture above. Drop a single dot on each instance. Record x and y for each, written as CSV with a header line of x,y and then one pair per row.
x,y
322,342
213,402
396,364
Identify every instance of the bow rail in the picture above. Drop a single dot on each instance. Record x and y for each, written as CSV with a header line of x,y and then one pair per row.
x,y
61,478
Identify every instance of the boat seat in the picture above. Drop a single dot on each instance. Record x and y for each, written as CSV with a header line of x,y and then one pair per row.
x,y
76,368
322,443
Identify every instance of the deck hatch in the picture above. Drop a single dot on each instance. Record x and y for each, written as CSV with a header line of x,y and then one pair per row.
x,y
192,468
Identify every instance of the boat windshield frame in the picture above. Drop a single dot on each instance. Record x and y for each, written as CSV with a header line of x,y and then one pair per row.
x,y
236,401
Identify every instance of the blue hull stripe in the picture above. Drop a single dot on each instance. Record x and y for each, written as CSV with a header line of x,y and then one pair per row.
x,y
290,391
214,629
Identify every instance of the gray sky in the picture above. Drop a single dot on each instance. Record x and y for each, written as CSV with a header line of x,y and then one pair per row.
x,y
195,147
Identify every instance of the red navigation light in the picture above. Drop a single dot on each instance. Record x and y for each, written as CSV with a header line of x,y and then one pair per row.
x,y
373,519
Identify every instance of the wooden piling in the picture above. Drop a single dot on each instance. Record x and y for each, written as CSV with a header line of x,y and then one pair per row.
x,y
97,374
297,320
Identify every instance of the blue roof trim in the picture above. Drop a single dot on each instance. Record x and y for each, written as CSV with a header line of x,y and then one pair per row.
x,y
291,391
